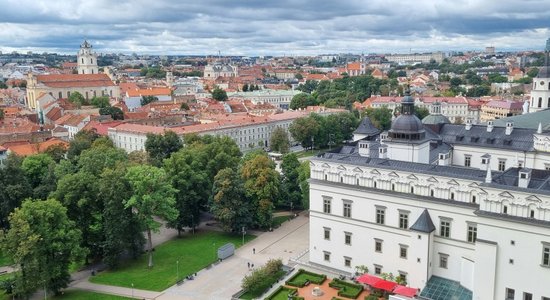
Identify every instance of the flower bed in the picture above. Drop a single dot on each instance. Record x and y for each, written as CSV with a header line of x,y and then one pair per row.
x,y
303,276
346,289
282,294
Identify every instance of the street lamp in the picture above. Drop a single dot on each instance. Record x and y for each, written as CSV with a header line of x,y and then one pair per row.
x,y
132,290
244,232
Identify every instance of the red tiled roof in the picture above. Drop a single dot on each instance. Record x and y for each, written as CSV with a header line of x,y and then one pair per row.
x,y
511,105
30,149
75,80
157,91
54,113
101,128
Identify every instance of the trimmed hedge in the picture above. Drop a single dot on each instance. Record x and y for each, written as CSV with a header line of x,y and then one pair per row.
x,y
300,278
346,289
282,292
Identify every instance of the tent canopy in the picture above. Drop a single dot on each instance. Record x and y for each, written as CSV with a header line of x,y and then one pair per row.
x,y
385,285
405,291
368,279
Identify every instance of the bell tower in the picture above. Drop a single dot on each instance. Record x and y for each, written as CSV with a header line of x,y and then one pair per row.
x,y
87,59
540,94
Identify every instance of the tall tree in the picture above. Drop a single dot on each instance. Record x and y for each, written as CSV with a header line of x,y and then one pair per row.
x,y
148,99
228,202
82,141
115,112
303,130
380,117
152,195
15,187
187,173
78,193
279,141
219,94
42,242
123,232
302,100
303,176
261,184
77,99
161,146
100,102
290,184
39,169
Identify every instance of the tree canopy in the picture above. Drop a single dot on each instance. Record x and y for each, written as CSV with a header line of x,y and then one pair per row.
x,y
219,94
279,141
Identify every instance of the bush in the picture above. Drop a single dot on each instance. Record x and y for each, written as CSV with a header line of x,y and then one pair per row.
x,y
346,289
262,278
300,278
371,297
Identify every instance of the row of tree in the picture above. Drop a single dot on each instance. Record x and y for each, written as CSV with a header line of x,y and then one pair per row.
x,y
323,131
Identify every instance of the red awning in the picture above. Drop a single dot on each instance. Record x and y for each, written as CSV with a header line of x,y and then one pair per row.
x,y
405,291
385,285
368,279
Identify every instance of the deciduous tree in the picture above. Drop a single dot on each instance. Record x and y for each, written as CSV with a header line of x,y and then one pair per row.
x,y
228,202
42,242
279,141
161,146
219,94
152,195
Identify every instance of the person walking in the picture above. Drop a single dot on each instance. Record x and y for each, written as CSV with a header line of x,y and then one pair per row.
x,y
248,263
253,250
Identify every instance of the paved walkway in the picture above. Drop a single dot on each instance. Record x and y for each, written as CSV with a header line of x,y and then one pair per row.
x,y
224,279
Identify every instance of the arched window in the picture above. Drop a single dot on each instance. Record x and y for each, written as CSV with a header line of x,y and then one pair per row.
x,y
540,102
82,60
412,189
431,193
91,61
375,184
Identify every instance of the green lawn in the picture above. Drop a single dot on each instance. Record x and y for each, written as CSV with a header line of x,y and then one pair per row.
x,y
300,278
281,293
85,295
193,252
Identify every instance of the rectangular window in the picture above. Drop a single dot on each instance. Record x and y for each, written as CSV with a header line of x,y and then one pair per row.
x,y
403,220
510,294
378,245
501,164
546,255
326,206
527,296
347,261
472,233
326,256
467,160
347,209
380,215
445,228
443,260
347,238
403,251
377,269
327,233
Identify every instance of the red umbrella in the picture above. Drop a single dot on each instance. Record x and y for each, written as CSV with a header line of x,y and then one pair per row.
x,y
405,291
368,279
385,285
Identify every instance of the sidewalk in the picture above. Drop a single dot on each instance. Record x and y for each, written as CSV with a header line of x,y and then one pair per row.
x,y
115,290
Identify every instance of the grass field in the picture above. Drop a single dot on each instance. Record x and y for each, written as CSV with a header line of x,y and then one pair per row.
x,y
85,295
189,254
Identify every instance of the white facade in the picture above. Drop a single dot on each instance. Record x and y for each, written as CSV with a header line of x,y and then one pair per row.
x,y
87,59
540,94
507,250
277,98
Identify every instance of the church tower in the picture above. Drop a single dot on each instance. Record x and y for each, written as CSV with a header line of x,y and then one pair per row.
x,y
540,94
87,59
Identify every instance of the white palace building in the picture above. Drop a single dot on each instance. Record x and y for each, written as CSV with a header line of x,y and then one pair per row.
x,y
459,211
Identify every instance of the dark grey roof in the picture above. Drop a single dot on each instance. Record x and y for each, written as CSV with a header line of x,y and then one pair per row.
x,y
424,223
367,128
436,170
519,139
539,179
435,119
407,124
530,120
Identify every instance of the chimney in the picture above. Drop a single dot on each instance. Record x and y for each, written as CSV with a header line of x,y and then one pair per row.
x,y
383,151
490,126
468,124
509,128
524,176
364,148
444,159
489,176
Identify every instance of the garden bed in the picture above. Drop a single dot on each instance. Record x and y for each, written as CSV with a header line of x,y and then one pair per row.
x,y
303,276
282,294
346,289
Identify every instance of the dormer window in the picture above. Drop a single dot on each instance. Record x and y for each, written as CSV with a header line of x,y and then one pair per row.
x,y
483,161
523,175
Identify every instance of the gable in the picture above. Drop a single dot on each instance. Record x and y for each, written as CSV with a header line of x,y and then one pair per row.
x,y
412,177
506,195
432,179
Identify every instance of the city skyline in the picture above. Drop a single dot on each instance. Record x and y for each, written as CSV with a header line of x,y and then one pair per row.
x,y
283,28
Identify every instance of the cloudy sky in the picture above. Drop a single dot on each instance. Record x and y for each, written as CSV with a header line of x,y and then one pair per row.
x,y
276,27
